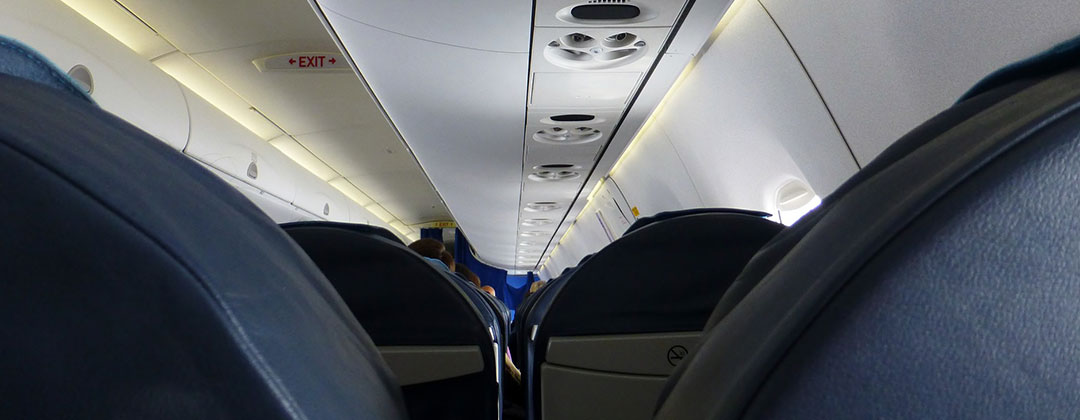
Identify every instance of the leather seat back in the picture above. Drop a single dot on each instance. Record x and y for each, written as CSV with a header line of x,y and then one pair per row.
x,y
610,332
438,336
138,285
941,284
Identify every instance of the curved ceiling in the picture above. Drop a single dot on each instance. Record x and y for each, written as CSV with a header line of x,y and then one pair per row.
x,y
473,88
459,107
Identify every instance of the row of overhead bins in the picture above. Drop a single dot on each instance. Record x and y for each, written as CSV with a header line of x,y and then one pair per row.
x,y
589,59
122,81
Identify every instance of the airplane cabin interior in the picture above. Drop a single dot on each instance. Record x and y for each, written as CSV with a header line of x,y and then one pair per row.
x,y
543,209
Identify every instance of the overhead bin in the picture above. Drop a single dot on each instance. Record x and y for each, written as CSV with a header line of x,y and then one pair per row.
x,y
280,211
123,82
357,214
224,144
319,198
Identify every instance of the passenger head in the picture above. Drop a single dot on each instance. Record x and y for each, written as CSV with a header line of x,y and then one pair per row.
x,y
537,285
428,247
490,290
469,275
447,259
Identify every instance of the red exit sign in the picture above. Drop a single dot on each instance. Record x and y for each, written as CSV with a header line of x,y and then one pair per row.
x,y
304,61
307,61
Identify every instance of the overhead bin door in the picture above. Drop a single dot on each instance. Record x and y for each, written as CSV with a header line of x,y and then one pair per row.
x,y
222,143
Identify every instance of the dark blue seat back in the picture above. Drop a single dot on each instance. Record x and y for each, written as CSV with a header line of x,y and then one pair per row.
x,y
136,284
523,321
942,284
665,277
404,301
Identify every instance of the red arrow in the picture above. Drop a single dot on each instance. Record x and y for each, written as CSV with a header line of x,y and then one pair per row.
x,y
292,61
333,60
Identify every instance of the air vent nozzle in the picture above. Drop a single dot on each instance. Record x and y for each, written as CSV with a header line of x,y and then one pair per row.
x,y
578,51
563,135
536,222
557,175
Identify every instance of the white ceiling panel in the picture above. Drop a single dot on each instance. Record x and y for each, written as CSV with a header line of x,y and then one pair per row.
x,y
583,90
406,194
301,102
208,25
559,191
361,150
490,25
462,112
581,156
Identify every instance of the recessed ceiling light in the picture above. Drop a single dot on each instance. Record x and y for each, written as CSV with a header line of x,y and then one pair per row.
x,y
536,222
533,234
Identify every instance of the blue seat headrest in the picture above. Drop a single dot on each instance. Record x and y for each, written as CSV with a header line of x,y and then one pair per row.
x,y
1061,56
664,215
19,60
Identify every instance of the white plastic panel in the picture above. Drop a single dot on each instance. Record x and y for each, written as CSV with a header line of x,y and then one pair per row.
x,y
453,105
490,25
419,364
742,127
357,214
321,199
609,204
579,394
653,176
278,210
221,142
640,354
544,273
124,83
885,66
590,233
218,28
583,90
